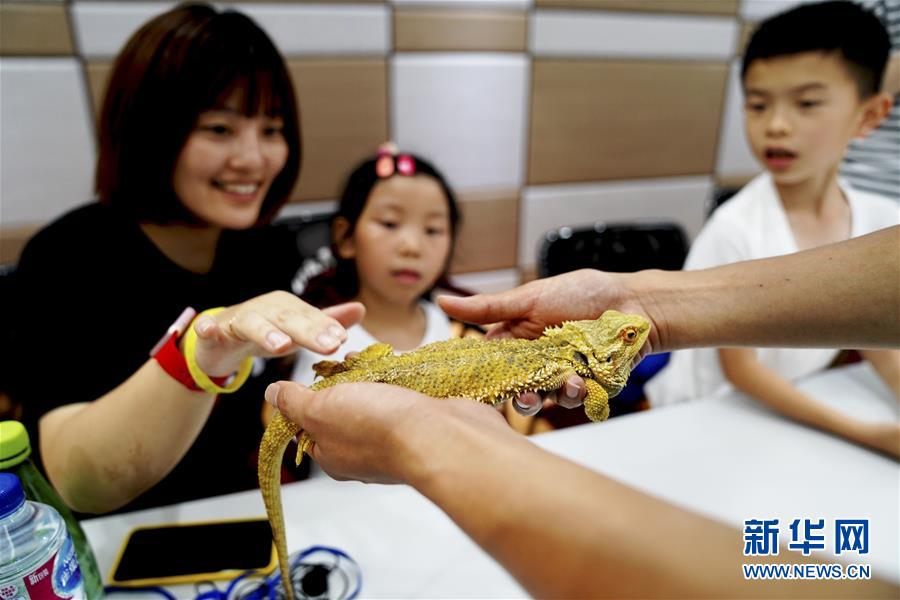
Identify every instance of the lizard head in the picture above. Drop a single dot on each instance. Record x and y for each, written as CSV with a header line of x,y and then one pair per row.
x,y
607,345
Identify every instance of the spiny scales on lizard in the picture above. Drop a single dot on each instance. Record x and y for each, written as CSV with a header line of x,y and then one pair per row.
x,y
490,371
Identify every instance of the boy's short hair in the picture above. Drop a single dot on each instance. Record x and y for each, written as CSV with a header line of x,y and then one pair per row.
x,y
840,26
177,65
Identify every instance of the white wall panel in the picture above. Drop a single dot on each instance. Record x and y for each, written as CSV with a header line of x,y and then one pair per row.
x,y
297,29
734,156
308,209
301,29
487,282
466,112
680,199
102,28
757,10
580,33
46,149
465,4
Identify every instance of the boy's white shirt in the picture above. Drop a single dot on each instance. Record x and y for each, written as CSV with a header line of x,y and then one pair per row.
x,y
751,225
437,328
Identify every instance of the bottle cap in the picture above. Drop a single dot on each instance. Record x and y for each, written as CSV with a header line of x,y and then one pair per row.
x,y
11,494
14,444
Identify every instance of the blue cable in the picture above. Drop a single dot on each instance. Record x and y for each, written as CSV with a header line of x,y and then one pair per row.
x,y
275,578
116,589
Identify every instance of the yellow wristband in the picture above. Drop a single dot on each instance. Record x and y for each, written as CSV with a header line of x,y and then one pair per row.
x,y
202,379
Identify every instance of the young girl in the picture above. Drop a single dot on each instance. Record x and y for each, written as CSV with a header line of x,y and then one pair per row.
x,y
392,237
199,147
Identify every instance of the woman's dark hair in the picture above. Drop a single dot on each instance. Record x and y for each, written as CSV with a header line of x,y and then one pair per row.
x,y
342,283
176,66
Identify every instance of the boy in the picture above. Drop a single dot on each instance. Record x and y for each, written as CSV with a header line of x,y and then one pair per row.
x,y
810,78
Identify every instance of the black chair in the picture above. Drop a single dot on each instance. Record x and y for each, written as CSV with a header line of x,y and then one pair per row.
x,y
619,248
312,231
8,408
312,234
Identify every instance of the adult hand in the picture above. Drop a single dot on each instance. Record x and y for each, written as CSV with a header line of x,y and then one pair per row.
x,y
526,311
380,433
274,324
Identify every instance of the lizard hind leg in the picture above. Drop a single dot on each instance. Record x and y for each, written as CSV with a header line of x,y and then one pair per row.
x,y
596,403
304,443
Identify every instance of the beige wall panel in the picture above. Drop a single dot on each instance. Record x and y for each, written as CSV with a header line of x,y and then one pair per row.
x,y
747,29
302,1
12,241
487,240
34,29
47,150
487,282
452,30
599,120
706,7
97,74
758,10
343,108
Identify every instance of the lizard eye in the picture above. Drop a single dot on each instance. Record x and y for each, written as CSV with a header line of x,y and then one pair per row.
x,y
609,358
629,335
580,358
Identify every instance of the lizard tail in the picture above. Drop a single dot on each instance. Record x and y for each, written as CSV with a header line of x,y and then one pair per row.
x,y
276,438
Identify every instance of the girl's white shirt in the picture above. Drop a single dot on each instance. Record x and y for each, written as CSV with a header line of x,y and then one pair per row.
x,y
437,328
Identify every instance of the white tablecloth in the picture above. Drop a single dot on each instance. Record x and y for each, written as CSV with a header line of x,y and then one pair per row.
x,y
727,458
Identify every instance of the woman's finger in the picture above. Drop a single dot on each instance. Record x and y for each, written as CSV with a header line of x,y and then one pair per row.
x,y
308,327
347,314
253,327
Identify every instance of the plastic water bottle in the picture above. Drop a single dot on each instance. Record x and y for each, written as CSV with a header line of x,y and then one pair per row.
x,y
15,450
37,558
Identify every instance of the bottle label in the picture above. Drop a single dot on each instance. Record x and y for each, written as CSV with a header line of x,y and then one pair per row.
x,y
58,578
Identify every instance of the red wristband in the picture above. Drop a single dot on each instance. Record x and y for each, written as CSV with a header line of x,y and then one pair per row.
x,y
172,360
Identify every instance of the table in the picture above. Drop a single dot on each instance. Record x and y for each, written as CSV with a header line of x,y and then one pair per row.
x,y
725,457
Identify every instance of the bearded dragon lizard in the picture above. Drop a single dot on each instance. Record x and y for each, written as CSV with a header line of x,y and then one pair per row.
x,y
490,371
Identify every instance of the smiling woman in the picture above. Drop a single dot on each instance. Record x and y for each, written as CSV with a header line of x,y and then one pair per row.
x,y
199,148
228,164
185,78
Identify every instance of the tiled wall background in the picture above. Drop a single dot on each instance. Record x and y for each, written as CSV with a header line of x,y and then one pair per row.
x,y
541,113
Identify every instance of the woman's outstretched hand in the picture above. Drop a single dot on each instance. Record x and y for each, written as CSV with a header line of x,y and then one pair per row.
x,y
274,324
